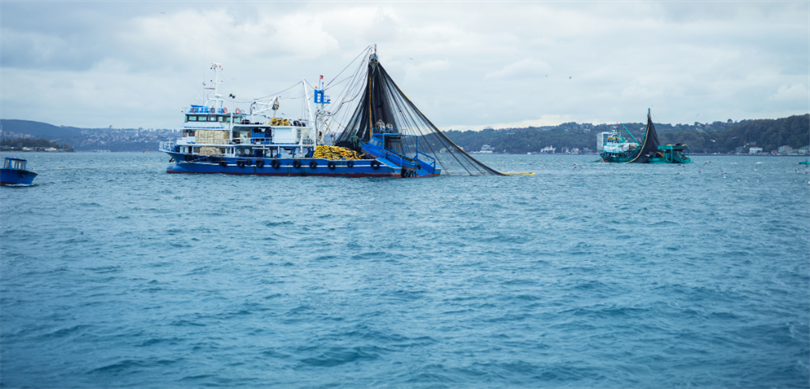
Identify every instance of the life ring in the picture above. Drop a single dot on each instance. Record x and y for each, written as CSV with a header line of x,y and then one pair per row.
x,y
224,110
194,110
331,165
259,163
313,165
248,162
350,164
213,110
275,164
240,163
296,164
375,164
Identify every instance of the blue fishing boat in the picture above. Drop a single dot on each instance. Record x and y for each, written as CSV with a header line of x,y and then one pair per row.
x,y
14,172
385,136
260,141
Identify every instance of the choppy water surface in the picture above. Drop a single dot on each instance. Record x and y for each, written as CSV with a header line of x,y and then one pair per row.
x,y
116,274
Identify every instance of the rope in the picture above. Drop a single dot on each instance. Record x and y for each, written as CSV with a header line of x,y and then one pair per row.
x,y
100,167
347,66
278,93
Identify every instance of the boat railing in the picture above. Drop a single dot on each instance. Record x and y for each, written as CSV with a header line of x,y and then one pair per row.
x,y
167,145
433,164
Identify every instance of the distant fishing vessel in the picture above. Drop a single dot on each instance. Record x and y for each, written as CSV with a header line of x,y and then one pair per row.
x,y
386,136
14,172
617,149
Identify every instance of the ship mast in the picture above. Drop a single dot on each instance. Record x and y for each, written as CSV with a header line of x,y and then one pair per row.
x,y
216,67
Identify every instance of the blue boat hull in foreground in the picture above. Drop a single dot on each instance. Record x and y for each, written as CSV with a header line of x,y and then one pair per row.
x,y
16,177
286,166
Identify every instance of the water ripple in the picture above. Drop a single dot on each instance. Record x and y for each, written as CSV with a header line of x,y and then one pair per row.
x,y
607,276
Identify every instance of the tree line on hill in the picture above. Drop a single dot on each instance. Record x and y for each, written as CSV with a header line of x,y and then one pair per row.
x,y
20,143
718,137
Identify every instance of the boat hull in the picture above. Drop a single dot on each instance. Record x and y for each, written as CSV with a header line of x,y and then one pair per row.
x,y
16,177
615,159
284,167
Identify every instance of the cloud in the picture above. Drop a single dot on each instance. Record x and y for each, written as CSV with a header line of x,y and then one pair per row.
x,y
526,68
135,64
796,92
413,73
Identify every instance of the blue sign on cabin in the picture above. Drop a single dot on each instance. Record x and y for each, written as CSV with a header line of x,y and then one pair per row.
x,y
320,98
201,109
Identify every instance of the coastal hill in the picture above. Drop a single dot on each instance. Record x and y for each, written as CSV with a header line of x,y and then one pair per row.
x,y
88,139
717,137
37,129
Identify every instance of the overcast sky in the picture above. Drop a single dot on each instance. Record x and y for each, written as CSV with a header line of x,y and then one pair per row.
x,y
467,65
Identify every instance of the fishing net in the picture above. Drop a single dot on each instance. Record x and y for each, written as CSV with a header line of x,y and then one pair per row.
x,y
383,107
649,148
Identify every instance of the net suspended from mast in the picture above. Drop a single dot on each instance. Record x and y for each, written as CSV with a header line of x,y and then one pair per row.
x,y
650,147
383,106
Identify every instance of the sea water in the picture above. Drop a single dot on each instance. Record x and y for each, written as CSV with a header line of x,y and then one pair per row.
x,y
114,273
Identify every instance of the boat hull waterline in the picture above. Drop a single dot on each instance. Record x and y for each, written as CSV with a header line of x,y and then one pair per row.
x,y
287,167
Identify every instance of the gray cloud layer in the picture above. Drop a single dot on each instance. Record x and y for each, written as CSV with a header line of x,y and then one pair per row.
x,y
467,65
